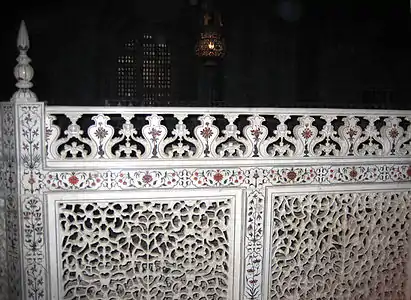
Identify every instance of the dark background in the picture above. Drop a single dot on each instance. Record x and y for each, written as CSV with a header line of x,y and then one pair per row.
x,y
312,53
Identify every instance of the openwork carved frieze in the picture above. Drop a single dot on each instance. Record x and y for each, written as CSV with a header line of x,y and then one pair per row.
x,y
193,135
338,243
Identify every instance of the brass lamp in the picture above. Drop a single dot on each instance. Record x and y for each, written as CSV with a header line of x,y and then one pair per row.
x,y
210,44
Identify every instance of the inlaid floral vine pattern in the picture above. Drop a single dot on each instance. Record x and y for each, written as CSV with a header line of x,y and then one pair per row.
x,y
31,149
11,200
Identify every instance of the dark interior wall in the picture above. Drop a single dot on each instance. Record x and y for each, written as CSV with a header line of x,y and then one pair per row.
x,y
315,53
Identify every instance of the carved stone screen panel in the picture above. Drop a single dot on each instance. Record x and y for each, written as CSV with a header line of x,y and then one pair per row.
x,y
349,242
3,251
146,245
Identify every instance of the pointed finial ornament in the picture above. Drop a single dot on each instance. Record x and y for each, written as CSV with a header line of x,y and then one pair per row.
x,y
23,71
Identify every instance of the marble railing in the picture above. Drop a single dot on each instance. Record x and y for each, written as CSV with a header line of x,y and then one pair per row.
x,y
230,203
118,133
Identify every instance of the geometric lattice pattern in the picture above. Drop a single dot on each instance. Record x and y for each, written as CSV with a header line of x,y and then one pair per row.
x,y
155,67
344,245
156,71
145,250
127,68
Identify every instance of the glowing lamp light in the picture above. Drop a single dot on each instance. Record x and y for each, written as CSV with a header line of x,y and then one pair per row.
x,y
210,45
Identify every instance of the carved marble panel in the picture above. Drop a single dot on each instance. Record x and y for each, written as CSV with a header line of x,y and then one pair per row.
x,y
3,251
146,245
345,242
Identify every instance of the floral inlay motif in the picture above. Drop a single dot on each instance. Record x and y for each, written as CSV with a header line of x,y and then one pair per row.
x,y
351,133
206,132
256,132
307,133
394,133
218,176
353,173
73,180
147,178
101,133
291,175
155,133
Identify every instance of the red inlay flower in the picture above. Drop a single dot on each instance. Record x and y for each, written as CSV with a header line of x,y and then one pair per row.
x,y
409,172
147,178
256,132
291,175
307,133
154,132
73,180
351,132
394,133
101,133
31,180
353,173
218,177
206,132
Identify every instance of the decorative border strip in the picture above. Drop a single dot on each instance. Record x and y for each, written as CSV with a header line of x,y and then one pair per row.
x,y
31,199
228,177
11,200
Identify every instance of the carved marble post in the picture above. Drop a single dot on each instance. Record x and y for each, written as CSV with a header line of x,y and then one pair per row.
x,y
23,145
23,71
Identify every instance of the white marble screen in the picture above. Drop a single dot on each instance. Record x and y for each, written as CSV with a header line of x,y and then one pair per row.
x,y
146,245
337,242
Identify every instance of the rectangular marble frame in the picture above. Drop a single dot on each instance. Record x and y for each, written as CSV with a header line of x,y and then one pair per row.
x,y
239,201
309,189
